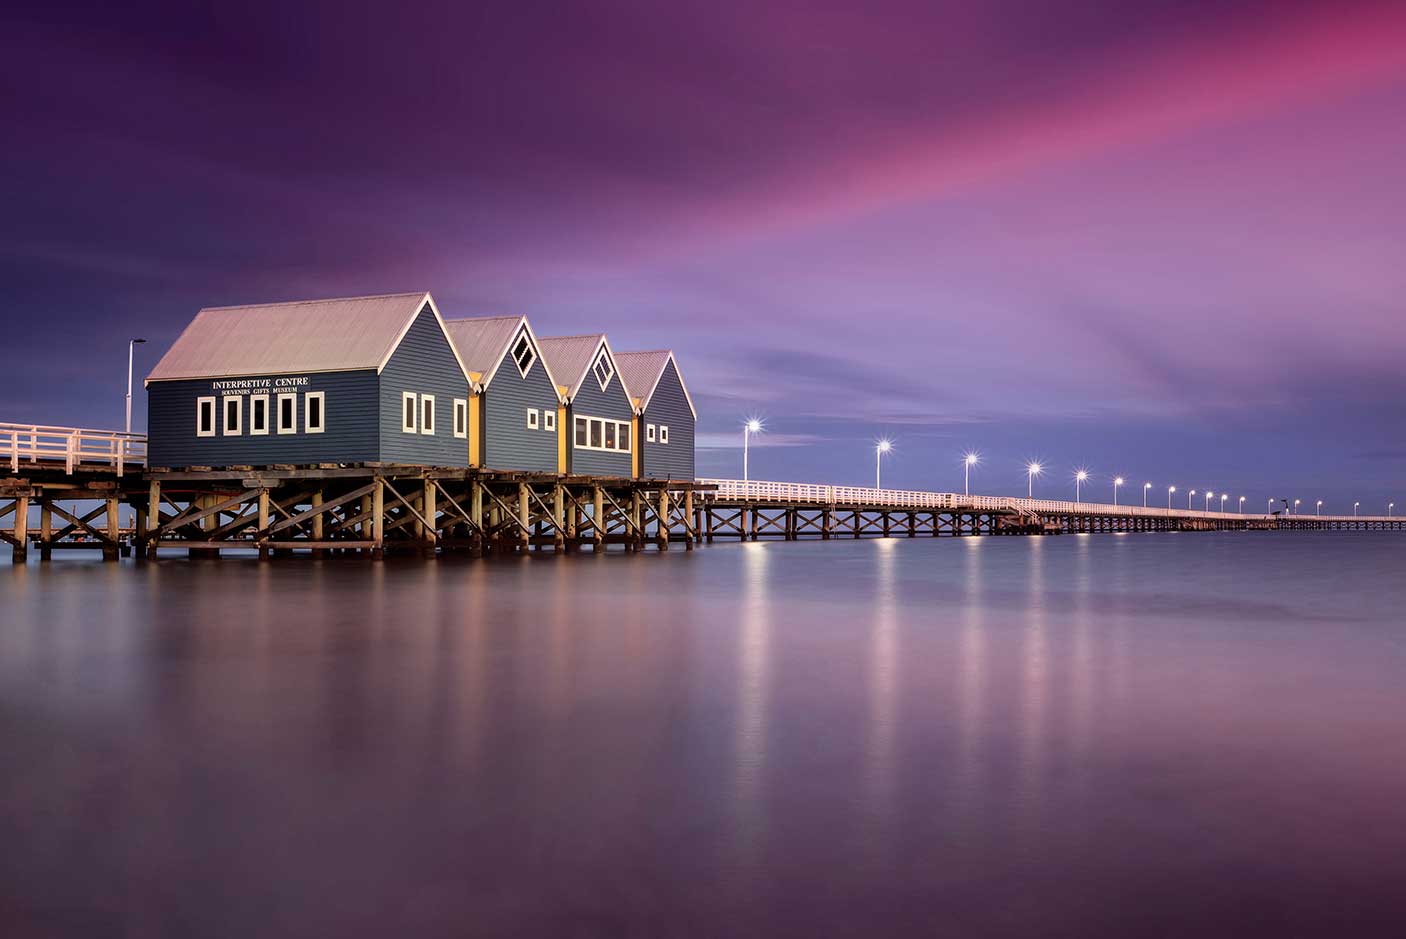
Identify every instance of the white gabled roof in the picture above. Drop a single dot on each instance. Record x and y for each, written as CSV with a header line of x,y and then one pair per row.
x,y
641,372
287,338
483,342
571,358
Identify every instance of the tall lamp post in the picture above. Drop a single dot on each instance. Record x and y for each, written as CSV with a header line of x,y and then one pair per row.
x,y
883,446
968,462
1240,510
1188,499
131,345
1170,490
1145,487
1354,508
1208,495
1079,478
1032,470
1389,507
1318,509
751,427
1296,506
1223,497
1117,481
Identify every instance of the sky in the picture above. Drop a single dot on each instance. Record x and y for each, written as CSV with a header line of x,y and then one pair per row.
x,y
1160,240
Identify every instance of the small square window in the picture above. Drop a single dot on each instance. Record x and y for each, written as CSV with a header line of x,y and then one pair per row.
x,y
596,433
205,417
287,414
610,435
663,433
234,414
314,412
649,433
427,414
624,438
532,417
581,432
408,408
549,420
461,417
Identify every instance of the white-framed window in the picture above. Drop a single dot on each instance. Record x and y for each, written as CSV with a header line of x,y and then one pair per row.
x,y
233,408
409,408
288,413
204,417
597,433
258,415
315,412
427,414
549,420
649,433
663,433
461,417
523,353
603,369
532,418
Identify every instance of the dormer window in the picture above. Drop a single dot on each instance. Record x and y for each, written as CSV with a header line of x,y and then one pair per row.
x,y
603,369
523,353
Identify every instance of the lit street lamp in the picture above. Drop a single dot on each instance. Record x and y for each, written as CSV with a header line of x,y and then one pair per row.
x,y
1389,507
1318,509
1241,509
1354,508
1031,471
1296,507
1079,478
1170,490
1223,497
1145,487
751,427
1188,499
1269,506
1209,494
884,446
968,462
131,344
1117,481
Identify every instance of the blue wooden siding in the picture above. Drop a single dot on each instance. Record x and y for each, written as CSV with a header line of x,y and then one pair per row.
x,y
350,421
508,444
423,363
613,404
669,407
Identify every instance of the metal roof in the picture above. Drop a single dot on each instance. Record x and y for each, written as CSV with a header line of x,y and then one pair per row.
x,y
485,341
641,372
570,359
285,338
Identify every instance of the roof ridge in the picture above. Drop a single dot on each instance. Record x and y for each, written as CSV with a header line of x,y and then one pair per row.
x,y
577,336
255,306
484,319
647,352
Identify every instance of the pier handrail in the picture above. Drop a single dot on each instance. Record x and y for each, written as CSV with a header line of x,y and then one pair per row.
x,y
768,491
71,446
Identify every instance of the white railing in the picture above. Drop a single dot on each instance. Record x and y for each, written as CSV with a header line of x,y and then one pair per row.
x,y
36,443
736,490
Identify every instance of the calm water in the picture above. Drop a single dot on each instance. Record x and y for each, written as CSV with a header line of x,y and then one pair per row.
x,y
1147,735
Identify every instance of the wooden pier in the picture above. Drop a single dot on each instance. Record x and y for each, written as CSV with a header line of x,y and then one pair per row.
x,y
374,509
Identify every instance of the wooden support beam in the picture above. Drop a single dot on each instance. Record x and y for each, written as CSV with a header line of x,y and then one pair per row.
x,y
378,517
262,534
21,531
598,519
46,529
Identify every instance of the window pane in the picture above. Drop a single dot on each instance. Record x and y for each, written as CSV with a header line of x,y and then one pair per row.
x,y
285,418
580,432
595,433
232,414
257,415
207,416
624,436
610,435
315,411
409,412
427,415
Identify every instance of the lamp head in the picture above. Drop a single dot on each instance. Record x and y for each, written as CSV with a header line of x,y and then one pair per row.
x,y
754,426
1118,481
1081,475
139,340
1171,488
1034,469
885,445
971,459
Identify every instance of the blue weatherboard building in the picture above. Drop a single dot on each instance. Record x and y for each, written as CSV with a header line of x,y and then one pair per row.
x,y
597,410
359,380
514,411
664,414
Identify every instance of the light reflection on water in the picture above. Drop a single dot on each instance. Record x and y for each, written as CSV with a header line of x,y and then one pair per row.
x,y
1156,734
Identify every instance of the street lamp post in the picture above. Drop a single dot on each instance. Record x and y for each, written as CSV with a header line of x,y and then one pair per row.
x,y
1188,499
751,427
1079,478
131,345
1117,481
1223,497
1354,508
1269,506
1145,487
1296,507
968,462
1031,471
1208,495
1318,509
1170,490
884,446
1389,507
1240,510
